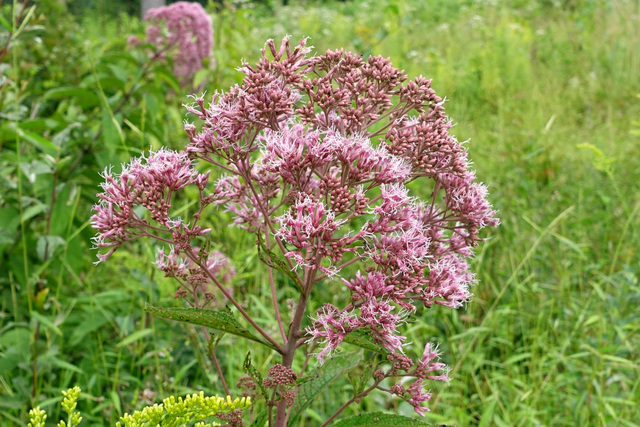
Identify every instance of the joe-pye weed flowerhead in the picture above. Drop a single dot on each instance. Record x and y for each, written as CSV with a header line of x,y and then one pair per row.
x,y
183,30
317,155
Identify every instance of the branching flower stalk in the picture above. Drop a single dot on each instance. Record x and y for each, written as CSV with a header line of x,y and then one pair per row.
x,y
323,158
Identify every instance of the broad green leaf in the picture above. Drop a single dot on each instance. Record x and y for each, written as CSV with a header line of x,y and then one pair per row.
x,y
13,402
10,218
63,209
47,245
219,320
5,23
34,210
44,321
363,339
119,73
33,169
310,387
137,335
379,419
66,366
10,359
42,144
167,76
94,320
116,401
113,57
16,338
200,77
39,125
84,97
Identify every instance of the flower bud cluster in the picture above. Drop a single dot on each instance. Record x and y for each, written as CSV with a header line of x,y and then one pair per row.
x,y
283,380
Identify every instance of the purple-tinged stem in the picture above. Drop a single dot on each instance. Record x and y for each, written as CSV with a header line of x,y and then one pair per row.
x,y
242,311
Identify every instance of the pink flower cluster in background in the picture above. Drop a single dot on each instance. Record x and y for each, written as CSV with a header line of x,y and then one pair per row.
x,y
347,168
184,31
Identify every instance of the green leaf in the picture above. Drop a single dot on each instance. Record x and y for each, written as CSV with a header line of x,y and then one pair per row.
x,y
84,97
487,415
260,420
5,23
200,77
116,401
10,218
269,257
183,371
311,386
48,324
219,320
255,375
47,245
10,359
137,335
111,131
42,144
379,419
66,366
167,76
92,322
363,339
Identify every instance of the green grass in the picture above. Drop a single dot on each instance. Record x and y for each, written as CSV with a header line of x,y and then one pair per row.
x,y
552,334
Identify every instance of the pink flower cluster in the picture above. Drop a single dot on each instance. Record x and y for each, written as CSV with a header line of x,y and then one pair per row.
x,y
320,153
147,183
183,30
325,159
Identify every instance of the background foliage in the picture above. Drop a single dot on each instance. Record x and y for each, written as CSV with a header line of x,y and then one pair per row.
x,y
547,92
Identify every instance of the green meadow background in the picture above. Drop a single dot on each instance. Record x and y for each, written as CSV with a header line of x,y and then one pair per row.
x,y
546,92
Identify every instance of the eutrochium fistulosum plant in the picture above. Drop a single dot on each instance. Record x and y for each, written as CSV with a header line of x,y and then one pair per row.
x,y
318,158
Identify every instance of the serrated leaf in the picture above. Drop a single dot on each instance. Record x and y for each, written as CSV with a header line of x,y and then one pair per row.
x,y
363,339
218,320
319,379
379,419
